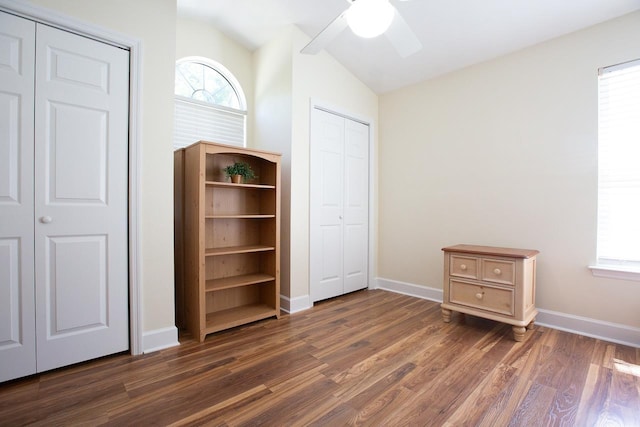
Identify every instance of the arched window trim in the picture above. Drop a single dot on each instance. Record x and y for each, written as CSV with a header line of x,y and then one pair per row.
x,y
235,84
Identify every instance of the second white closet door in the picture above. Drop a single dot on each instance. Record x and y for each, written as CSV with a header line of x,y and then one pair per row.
x,y
339,225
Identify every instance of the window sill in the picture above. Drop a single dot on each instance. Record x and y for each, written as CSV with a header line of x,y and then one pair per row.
x,y
615,272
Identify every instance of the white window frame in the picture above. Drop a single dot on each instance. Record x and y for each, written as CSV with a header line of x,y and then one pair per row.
x,y
196,120
607,267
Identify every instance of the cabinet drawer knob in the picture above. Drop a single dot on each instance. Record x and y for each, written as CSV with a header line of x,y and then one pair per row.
x,y
479,295
463,267
496,271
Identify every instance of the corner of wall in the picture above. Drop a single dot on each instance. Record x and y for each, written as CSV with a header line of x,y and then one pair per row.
x,y
295,305
159,339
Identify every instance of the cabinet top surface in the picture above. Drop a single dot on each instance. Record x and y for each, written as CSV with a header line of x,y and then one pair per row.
x,y
492,250
222,148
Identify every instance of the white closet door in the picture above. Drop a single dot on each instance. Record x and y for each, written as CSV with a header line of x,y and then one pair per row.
x,y
326,211
339,205
17,325
356,206
81,140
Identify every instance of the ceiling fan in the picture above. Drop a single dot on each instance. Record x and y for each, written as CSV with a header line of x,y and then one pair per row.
x,y
369,18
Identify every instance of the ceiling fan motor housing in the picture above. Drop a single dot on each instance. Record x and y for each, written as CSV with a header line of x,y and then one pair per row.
x,y
369,18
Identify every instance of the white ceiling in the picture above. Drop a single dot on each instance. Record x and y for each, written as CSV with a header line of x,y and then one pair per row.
x,y
454,33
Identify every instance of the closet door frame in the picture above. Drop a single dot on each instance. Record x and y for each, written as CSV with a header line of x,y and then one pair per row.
x,y
373,238
45,16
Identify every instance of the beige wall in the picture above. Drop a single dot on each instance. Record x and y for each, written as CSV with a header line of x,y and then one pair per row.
x,y
154,23
504,153
196,38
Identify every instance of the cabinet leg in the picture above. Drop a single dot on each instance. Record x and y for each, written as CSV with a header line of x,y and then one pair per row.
x,y
530,325
446,315
518,333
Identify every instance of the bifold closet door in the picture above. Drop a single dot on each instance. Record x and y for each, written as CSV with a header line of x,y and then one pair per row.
x,y
81,198
63,198
17,307
339,207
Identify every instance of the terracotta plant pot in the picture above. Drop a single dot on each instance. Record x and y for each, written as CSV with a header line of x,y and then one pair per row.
x,y
236,179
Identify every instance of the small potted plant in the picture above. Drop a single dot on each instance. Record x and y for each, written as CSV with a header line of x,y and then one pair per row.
x,y
239,171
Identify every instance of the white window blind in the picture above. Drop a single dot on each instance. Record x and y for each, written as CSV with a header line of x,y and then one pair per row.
x,y
619,165
196,121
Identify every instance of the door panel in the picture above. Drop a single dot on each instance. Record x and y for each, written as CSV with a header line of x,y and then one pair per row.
x,y
81,198
10,308
339,205
9,147
355,257
17,325
76,268
78,69
329,282
70,127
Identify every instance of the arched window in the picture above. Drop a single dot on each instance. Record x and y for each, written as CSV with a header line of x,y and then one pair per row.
x,y
209,104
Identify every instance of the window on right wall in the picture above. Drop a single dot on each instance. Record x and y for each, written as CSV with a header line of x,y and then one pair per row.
x,y
619,170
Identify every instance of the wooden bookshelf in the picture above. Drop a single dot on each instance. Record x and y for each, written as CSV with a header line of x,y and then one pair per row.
x,y
231,238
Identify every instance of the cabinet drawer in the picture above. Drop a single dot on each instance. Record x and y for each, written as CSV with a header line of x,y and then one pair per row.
x,y
498,271
464,266
485,297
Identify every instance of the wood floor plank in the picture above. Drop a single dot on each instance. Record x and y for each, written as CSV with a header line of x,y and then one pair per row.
x,y
442,386
203,415
406,349
366,358
444,394
594,395
382,408
625,400
300,398
340,415
525,358
380,387
535,407
362,344
569,389
486,400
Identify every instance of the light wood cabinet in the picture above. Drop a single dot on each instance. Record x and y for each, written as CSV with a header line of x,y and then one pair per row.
x,y
494,283
231,238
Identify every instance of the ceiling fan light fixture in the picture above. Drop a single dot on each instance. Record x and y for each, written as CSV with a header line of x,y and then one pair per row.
x,y
369,18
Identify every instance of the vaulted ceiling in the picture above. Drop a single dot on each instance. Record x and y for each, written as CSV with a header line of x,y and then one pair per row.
x,y
454,33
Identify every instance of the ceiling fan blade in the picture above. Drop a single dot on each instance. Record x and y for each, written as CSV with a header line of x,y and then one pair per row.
x,y
324,37
402,37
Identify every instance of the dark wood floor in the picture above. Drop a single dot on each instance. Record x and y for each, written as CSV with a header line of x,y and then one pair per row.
x,y
368,358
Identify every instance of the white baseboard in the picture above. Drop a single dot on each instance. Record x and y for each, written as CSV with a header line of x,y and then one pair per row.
x,y
159,339
606,331
410,289
294,305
